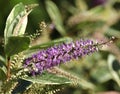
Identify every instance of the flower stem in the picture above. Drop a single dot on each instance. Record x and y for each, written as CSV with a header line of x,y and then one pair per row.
x,y
106,42
8,68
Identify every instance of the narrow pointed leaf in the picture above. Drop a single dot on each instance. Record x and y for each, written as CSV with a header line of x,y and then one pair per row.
x,y
55,15
2,60
16,22
47,78
113,32
2,74
90,25
72,77
21,86
51,43
35,48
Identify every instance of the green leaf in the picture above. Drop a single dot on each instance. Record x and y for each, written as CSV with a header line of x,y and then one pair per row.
x,y
2,60
114,74
51,43
3,69
16,45
2,74
96,10
101,73
16,22
55,15
47,78
76,79
81,5
90,25
113,32
21,86
34,49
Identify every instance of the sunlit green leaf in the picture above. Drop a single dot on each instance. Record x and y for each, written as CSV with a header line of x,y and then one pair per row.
x,y
47,78
51,43
16,22
34,49
90,25
16,45
55,15
96,10
112,32
81,5
76,79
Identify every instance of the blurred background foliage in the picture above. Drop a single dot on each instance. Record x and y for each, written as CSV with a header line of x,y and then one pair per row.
x,y
95,19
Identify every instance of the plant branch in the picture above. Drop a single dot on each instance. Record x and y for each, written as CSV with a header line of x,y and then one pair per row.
x,y
8,68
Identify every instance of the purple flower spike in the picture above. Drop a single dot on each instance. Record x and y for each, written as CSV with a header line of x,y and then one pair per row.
x,y
56,55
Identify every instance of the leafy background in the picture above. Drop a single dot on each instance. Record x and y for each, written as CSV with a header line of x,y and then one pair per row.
x,y
76,19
